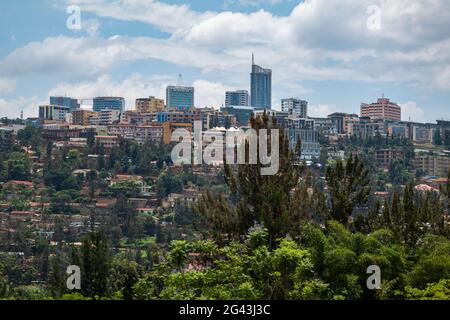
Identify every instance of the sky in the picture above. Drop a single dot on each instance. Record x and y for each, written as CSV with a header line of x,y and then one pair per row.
x,y
335,54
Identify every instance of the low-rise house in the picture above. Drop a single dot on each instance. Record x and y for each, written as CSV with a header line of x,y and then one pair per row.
x,y
16,184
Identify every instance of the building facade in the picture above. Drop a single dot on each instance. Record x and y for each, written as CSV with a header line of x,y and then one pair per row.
x,y
82,117
295,107
105,117
181,98
108,103
71,103
241,113
53,113
150,104
261,87
383,109
432,164
236,98
300,130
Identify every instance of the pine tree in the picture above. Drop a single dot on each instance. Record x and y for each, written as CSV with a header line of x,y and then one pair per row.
x,y
349,186
271,201
397,217
96,265
410,217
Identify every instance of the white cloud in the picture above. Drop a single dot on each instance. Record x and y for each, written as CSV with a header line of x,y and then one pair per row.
x,y
11,108
7,85
210,94
321,110
131,88
207,94
167,17
92,56
411,111
321,40
91,26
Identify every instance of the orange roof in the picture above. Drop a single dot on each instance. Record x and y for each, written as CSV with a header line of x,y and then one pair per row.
x,y
425,187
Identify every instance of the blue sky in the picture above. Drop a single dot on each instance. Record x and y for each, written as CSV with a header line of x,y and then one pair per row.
x,y
323,51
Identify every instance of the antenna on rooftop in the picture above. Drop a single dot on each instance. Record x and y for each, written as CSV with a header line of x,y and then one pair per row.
x,y
180,80
253,59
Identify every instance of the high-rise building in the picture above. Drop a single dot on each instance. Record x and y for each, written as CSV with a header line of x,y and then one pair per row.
x,y
261,87
149,105
71,103
295,107
109,103
236,98
178,97
382,109
54,113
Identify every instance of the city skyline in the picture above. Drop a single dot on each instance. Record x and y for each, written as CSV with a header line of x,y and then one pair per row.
x,y
121,51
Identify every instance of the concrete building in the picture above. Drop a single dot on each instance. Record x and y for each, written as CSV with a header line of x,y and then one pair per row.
x,y
241,113
236,98
125,131
432,164
325,126
106,117
366,127
138,118
82,117
300,129
53,113
295,107
152,133
149,105
383,109
108,103
385,156
343,121
170,127
107,142
185,116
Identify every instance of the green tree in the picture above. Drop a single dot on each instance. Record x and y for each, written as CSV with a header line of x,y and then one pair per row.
x,y
16,167
270,200
95,266
349,186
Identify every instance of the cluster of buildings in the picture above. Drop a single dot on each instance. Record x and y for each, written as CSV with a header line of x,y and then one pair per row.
x,y
155,119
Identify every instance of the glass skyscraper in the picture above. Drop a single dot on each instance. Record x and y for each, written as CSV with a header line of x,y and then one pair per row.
x,y
261,87
111,103
181,98
71,103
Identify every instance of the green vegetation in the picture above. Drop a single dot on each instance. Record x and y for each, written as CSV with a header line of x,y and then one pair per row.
x,y
304,233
